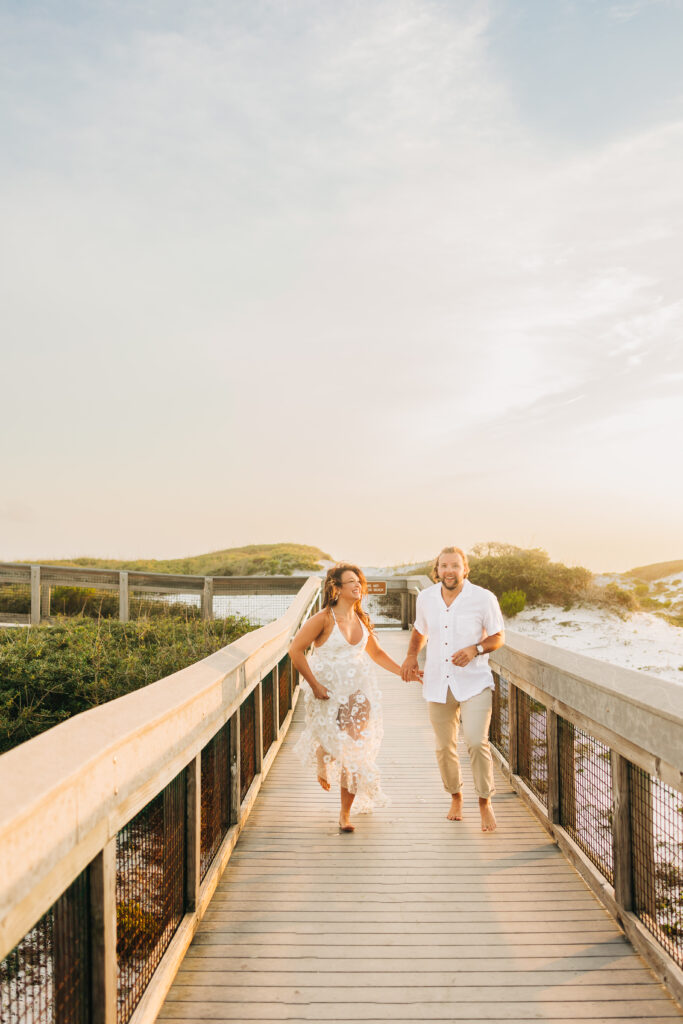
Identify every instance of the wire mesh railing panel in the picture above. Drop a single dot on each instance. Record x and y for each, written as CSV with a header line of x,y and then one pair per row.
x,y
150,890
384,609
657,851
532,745
285,686
586,794
260,609
215,796
46,977
148,604
500,716
85,601
15,601
248,726
268,708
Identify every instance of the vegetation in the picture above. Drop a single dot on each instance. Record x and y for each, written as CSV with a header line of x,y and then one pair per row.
x,y
49,673
512,602
656,571
252,560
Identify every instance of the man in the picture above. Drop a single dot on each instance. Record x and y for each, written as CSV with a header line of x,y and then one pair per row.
x,y
461,624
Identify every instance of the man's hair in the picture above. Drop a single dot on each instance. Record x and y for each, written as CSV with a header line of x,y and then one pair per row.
x,y
449,551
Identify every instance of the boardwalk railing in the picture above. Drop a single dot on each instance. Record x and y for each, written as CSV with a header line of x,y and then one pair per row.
x,y
31,594
116,825
597,753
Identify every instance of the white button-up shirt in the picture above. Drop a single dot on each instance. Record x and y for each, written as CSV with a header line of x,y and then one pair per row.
x,y
473,615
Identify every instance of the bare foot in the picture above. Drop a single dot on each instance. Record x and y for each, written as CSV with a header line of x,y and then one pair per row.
x,y
488,818
344,823
455,813
324,783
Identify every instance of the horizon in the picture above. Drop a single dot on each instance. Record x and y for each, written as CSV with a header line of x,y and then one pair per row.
x,y
381,274
362,564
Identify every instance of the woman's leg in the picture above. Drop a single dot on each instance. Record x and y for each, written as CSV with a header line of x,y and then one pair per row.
x,y
347,799
322,768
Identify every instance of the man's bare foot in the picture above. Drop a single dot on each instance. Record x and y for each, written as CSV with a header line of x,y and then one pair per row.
x,y
324,783
344,823
488,818
455,813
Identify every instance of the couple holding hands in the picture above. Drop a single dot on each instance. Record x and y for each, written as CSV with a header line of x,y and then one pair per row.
x,y
460,623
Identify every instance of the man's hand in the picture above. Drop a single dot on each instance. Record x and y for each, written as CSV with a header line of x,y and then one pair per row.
x,y
409,670
464,656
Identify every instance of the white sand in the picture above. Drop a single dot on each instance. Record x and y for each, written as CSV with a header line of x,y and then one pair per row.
x,y
642,641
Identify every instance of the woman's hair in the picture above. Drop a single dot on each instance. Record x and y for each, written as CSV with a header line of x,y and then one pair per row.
x,y
449,551
332,589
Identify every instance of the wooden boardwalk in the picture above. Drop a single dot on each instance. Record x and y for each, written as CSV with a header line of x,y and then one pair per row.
x,y
411,918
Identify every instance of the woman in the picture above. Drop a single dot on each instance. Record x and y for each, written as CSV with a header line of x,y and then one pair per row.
x,y
343,727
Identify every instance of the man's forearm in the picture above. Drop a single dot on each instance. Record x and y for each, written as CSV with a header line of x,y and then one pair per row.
x,y
417,642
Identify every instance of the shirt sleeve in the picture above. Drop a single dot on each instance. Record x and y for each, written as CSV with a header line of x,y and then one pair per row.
x,y
420,617
493,617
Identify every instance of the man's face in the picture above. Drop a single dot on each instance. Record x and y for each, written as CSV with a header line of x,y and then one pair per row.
x,y
451,570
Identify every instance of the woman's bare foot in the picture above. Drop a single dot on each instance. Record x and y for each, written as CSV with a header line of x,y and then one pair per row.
x,y
344,823
488,818
324,783
455,813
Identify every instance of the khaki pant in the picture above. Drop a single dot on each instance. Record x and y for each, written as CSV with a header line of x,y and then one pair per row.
x,y
476,715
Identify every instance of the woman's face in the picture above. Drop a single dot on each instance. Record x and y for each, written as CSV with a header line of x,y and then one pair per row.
x,y
351,586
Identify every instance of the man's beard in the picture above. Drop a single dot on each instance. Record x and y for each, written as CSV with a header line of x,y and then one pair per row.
x,y
451,586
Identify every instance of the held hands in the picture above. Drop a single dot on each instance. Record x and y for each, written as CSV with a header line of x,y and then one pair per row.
x,y
464,656
410,672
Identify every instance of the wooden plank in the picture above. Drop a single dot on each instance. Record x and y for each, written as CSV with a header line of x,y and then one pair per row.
x,y
410,918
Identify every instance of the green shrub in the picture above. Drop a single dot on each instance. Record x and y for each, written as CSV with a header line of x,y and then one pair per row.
x,y
512,602
503,567
49,673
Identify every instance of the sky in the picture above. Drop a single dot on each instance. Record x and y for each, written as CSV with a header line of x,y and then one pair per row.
x,y
374,275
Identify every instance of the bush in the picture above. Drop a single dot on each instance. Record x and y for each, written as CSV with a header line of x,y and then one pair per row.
x,y
49,673
503,567
512,602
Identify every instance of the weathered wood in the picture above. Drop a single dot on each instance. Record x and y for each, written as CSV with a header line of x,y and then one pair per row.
x,y
193,830
207,598
513,724
551,731
235,768
45,600
35,595
103,935
124,597
621,833
301,908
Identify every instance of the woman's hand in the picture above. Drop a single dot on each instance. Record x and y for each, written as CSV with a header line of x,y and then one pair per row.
x,y
319,692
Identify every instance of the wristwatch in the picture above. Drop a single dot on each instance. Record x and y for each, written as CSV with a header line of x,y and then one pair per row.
x,y
480,649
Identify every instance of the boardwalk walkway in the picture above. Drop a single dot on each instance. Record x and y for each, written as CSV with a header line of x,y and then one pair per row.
x,y
412,918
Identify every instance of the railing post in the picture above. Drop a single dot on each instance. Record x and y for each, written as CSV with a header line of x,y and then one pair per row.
x,y
552,739
103,934
193,806
45,600
404,609
124,599
513,726
276,699
567,756
621,832
235,769
207,598
258,727
35,595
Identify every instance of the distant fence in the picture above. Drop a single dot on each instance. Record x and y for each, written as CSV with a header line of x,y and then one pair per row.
x,y
116,825
31,594
597,752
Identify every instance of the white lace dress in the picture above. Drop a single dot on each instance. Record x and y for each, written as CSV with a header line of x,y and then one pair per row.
x,y
342,735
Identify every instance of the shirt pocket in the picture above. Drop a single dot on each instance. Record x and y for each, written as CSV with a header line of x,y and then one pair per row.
x,y
467,630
